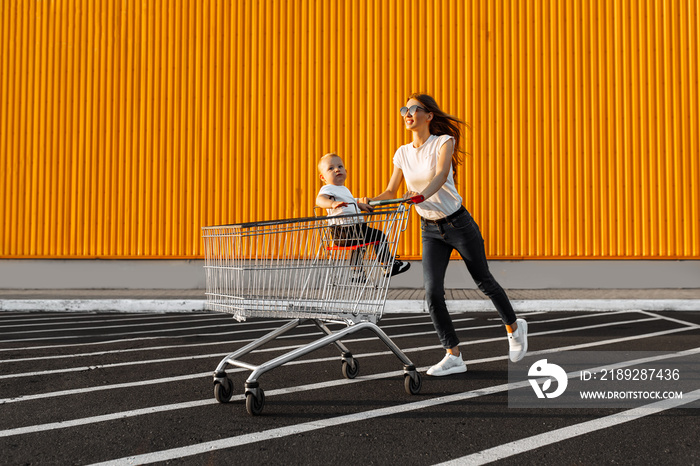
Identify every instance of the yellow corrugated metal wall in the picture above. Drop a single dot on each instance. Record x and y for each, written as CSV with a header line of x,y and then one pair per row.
x,y
127,125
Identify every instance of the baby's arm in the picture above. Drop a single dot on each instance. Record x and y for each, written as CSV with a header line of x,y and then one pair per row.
x,y
329,202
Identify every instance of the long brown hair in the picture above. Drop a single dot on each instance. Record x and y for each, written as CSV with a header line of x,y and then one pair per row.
x,y
442,123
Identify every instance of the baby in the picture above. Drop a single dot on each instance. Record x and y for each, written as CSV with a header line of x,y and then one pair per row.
x,y
337,199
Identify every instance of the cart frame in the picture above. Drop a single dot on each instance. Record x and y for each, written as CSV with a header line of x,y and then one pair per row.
x,y
242,281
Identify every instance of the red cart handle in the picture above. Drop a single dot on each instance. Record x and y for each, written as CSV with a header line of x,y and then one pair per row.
x,y
408,200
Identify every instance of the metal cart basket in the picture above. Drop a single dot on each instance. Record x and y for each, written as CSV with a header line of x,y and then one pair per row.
x,y
322,269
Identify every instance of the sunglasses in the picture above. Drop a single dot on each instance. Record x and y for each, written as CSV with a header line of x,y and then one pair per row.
x,y
410,111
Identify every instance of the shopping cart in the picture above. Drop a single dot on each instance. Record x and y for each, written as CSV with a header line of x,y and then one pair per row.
x,y
319,269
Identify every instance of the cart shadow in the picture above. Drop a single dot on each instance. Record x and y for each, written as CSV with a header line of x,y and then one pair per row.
x,y
382,394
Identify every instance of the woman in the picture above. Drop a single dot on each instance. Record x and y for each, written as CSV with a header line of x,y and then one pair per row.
x,y
427,165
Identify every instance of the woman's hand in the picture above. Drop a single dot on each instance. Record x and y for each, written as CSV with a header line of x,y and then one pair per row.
x,y
364,206
410,194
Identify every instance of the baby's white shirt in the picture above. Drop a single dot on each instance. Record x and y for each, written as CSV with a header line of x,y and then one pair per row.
x,y
342,194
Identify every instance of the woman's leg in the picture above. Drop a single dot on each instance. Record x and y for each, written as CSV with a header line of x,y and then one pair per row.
x,y
464,235
436,257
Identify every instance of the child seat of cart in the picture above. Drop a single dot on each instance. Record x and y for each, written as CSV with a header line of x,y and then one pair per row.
x,y
350,248
339,243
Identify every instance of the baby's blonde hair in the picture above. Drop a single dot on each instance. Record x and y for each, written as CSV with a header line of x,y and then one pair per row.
x,y
327,156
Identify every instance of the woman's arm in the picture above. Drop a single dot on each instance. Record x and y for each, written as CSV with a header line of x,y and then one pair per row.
x,y
392,189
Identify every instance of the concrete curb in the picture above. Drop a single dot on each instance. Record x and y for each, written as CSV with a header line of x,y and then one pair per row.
x,y
392,306
96,305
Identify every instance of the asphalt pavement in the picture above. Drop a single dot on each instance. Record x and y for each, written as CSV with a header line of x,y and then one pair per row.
x,y
135,388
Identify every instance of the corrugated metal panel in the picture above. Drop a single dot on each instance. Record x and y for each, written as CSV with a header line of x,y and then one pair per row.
x,y
127,125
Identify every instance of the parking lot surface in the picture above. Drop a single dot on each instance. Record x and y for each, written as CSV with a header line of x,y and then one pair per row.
x,y
90,387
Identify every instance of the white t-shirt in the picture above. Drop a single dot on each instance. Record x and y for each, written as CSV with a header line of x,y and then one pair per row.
x,y
342,194
418,167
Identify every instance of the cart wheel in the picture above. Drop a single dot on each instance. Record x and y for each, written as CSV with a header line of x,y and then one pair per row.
x,y
223,392
348,371
253,405
412,387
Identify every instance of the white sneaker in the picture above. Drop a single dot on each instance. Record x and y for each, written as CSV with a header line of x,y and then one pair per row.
x,y
450,364
518,341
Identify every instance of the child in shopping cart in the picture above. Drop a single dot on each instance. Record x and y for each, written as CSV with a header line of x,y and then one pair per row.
x,y
351,230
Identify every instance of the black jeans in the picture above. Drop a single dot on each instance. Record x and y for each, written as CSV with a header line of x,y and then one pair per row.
x,y
360,233
459,232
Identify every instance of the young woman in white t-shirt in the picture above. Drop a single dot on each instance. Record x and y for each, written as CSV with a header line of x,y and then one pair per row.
x,y
427,166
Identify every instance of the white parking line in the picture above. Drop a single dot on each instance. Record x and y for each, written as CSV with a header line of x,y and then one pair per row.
x,y
127,340
102,327
117,334
312,386
570,317
226,323
212,355
279,322
215,343
386,318
80,391
671,319
100,319
154,348
116,386
207,447
565,433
